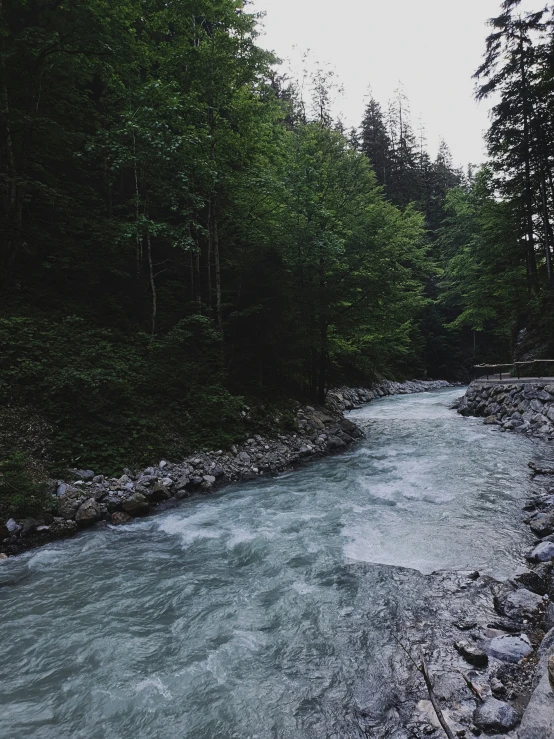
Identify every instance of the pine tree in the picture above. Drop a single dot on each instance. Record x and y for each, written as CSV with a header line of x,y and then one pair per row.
x,y
508,68
374,141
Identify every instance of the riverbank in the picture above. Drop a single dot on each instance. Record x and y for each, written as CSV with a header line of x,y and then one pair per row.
x,y
526,407
85,499
502,643
491,659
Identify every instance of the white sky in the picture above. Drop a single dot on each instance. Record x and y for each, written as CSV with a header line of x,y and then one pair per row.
x,y
431,46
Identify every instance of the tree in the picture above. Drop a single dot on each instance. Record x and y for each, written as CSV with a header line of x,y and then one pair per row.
x,y
352,257
484,266
374,141
508,69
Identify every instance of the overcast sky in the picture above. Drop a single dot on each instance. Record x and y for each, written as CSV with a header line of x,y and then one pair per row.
x,y
432,46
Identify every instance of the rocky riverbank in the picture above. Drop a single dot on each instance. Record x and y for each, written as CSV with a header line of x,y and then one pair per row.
x,y
492,644
348,398
525,407
85,499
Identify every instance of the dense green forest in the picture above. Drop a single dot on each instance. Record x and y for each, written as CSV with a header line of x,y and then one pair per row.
x,y
186,238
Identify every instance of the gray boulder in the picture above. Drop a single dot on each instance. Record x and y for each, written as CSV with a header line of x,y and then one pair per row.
x,y
136,505
29,525
12,526
88,513
182,482
544,552
159,492
68,504
538,719
335,442
61,490
472,654
495,716
510,648
542,524
522,603
534,581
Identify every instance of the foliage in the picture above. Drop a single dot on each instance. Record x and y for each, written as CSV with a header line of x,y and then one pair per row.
x,y
179,237
20,494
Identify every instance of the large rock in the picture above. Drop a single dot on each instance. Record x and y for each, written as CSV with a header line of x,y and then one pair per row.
x,y
113,501
88,513
522,603
542,524
182,482
335,442
85,475
472,654
534,581
538,719
136,505
29,526
544,552
350,428
510,648
70,502
495,716
12,526
61,490
159,493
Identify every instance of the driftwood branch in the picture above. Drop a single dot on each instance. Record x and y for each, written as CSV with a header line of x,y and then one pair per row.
x,y
472,687
422,667
434,701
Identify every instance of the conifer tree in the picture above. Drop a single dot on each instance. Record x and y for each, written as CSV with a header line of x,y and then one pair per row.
x,y
374,141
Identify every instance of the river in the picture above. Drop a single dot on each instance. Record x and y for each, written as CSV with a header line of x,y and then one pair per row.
x,y
266,610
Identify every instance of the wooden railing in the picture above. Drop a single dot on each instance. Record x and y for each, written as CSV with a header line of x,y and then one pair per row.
x,y
514,367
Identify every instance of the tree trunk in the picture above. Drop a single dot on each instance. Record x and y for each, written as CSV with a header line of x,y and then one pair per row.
x,y
531,257
198,280
323,352
210,252
546,225
13,198
217,274
138,247
152,285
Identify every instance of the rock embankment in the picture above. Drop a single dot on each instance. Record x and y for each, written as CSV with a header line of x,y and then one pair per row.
x,y
348,398
518,406
86,498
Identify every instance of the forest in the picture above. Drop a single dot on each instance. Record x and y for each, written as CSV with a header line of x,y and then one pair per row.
x,y
188,240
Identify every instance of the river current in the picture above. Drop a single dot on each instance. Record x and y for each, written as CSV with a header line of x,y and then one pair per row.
x,y
267,610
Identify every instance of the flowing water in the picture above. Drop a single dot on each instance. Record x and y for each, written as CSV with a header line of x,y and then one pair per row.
x,y
265,611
